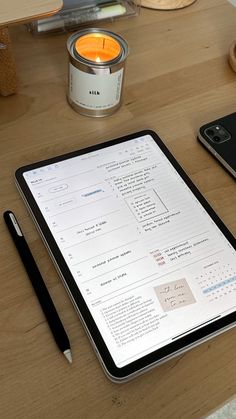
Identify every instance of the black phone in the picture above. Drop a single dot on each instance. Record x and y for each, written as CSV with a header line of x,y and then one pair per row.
x,y
219,137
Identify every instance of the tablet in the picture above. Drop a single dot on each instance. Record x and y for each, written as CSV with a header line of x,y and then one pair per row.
x,y
147,263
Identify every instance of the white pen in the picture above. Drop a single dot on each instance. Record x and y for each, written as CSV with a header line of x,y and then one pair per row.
x,y
74,17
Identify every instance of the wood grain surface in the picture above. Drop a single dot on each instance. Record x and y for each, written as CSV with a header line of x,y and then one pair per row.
x,y
14,11
177,79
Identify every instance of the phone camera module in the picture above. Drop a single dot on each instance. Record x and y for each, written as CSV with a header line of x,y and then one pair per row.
x,y
210,132
217,134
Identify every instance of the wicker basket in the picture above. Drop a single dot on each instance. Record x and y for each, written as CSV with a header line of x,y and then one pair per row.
x,y
8,79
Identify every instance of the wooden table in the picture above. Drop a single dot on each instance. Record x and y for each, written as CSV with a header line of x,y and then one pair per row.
x,y
177,79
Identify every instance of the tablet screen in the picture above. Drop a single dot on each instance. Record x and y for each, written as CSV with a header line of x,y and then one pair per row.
x,y
149,261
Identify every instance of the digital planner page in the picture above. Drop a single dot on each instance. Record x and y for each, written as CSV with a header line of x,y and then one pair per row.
x,y
150,263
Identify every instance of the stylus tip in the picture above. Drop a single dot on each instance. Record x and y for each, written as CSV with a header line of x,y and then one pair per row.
x,y
68,355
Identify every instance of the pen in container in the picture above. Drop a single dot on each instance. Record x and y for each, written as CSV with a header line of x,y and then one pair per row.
x,y
38,284
73,17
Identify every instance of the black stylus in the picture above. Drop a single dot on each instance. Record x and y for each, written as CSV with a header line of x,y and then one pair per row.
x,y
39,286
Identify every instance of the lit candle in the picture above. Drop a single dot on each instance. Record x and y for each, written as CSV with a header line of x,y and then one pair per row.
x,y
96,69
98,47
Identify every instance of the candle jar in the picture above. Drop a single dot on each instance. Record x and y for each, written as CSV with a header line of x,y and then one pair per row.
x,y
96,71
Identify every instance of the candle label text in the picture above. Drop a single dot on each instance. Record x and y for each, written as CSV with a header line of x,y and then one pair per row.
x,y
95,91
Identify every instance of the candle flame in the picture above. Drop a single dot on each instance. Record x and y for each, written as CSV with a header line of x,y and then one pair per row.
x,y
97,47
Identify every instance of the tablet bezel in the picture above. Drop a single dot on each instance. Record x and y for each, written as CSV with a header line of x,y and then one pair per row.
x,y
172,349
